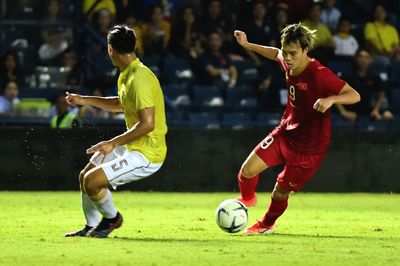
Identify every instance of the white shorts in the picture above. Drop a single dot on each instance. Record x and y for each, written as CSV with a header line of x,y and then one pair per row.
x,y
122,166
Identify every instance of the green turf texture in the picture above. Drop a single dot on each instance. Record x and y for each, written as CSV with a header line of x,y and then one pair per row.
x,y
179,229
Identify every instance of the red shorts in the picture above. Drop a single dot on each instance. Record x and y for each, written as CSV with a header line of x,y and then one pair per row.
x,y
299,168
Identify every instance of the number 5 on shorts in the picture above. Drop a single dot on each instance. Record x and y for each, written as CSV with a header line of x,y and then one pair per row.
x,y
121,163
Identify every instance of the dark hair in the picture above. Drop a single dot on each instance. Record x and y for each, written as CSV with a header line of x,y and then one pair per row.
x,y
6,54
362,49
298,34
122,38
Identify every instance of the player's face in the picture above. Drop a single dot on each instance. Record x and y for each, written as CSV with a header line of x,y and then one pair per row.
x,y
294,55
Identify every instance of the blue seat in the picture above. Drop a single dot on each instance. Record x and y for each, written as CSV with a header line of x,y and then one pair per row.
x,y
265,119
340,68
394,71
207,120
177,70
365,123
247,71
202,95
237,120
152,62
340,122
395,101
241,96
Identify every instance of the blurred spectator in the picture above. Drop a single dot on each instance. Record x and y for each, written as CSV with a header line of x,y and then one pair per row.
x,y
90,7
368,84
88,111
52,15
22,9
9,98
330,15
64,118
130,8
156,33
324,46
297,9
75,78
280,22
10,69
214,20
135,24
215,66
51,49
345,43
185,39
258,30
102,21
381,37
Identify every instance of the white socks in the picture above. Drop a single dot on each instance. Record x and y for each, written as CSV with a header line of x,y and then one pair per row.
x,y
92,215
106,205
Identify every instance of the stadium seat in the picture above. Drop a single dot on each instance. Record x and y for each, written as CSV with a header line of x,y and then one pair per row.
x,y
339,122
365,123
241,97
237,120
247,71
394,71
206,120
177,70
395,103
207,96
152,62
265,119
340,68
177,94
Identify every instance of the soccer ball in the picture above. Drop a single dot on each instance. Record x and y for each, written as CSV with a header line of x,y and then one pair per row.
x,y
231,216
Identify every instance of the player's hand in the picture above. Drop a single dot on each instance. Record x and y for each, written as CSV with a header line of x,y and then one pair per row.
x,y
74,99
323,104
241,37
103,147
376,115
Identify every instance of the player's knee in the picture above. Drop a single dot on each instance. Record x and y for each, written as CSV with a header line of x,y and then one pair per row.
x,y
89,184
247,171
280,194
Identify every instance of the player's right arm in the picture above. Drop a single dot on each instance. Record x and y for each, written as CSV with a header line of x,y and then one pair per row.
x,y
110,104
266,51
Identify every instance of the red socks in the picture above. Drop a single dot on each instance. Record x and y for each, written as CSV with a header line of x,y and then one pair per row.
x,y
276,209
247,186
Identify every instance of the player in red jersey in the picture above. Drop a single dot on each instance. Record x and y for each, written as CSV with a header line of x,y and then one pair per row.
x,y
301,139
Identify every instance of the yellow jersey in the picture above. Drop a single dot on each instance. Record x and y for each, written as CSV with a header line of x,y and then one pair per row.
x,y
323,33
138,88
385,36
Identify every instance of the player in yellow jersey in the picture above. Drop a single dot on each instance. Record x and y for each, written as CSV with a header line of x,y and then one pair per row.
x,y
133,155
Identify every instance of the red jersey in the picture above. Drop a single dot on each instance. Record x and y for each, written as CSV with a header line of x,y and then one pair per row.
x,y
307,130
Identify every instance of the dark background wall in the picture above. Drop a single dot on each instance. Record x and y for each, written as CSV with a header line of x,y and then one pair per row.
x,y
38,158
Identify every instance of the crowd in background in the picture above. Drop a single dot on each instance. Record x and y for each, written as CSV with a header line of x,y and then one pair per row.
x,y
190,46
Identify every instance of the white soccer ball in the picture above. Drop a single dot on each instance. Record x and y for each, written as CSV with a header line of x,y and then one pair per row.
x,y
231,216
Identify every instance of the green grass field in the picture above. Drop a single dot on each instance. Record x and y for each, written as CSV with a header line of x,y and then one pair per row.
x,y
179,229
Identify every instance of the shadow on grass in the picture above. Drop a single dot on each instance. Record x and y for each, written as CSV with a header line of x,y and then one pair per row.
x,y
245,238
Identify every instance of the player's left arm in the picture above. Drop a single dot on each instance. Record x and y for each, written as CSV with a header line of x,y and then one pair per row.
x,y
347,95
144,126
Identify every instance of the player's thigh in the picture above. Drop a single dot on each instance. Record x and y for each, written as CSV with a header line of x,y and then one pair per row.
x,y
253,165
265,154
94,180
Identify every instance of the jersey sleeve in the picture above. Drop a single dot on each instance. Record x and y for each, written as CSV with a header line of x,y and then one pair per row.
x,y
143,95
329,81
